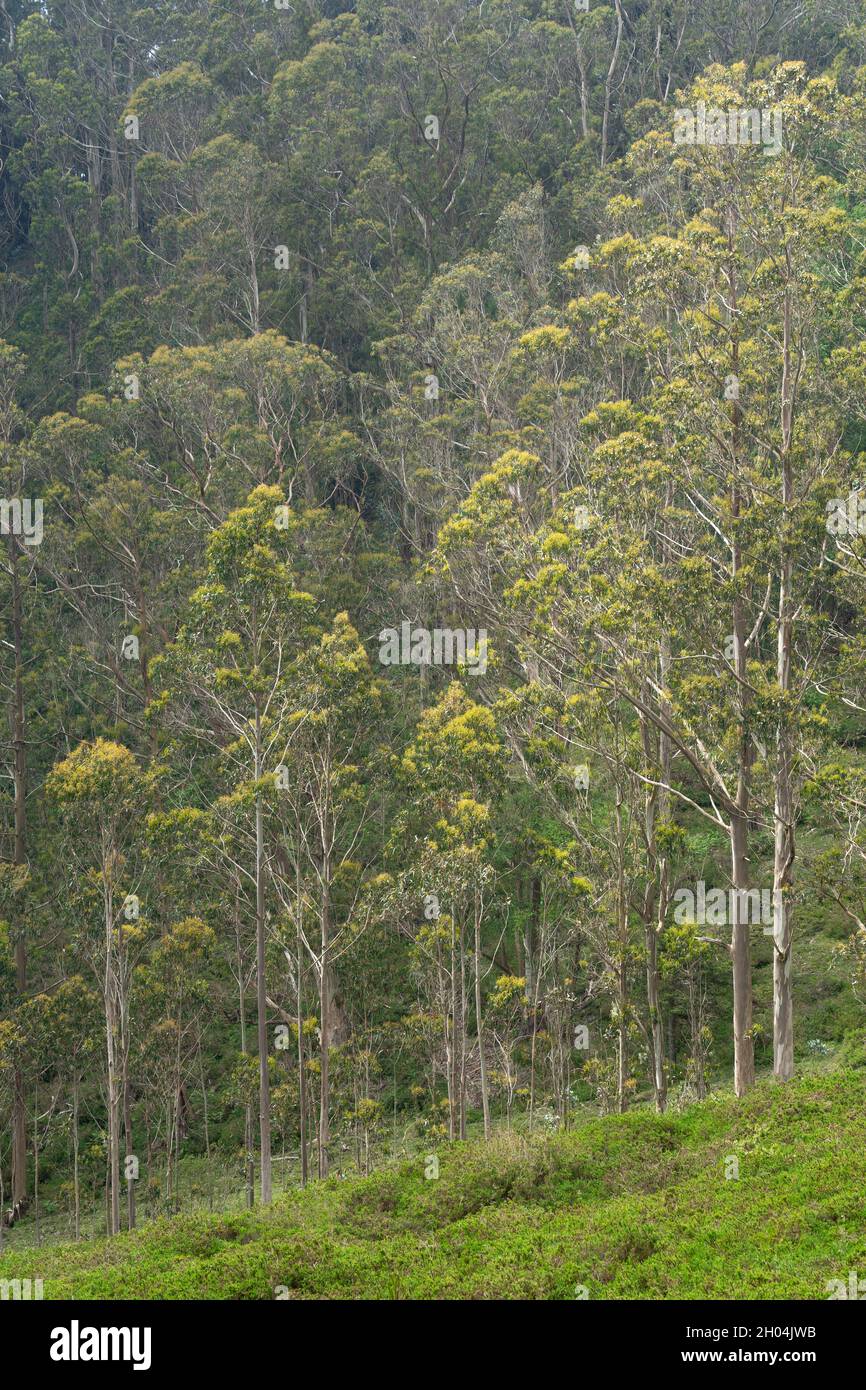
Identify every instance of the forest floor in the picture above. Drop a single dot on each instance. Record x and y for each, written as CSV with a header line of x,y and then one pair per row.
x,y
639,1206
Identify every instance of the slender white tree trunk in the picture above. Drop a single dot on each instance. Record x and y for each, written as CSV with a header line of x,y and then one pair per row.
x,y
261,991
783,809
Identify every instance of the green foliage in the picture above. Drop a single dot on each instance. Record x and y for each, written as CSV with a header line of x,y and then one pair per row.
x,y
620,1206
315,323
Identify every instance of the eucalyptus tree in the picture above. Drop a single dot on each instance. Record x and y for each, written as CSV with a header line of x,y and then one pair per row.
x,y
444,840
326,750
16,567
769,224
102,797
225,682
73,1023
174,991
683,480
207,424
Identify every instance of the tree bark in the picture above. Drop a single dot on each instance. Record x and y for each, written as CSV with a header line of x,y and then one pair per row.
x,y
485,1104
302,1070
111,1042
608,83
19,748
128,1149
325,1026
76,1176
741,962
783,808
741,946
261,991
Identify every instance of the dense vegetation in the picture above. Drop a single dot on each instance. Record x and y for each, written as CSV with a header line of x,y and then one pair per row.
x,y
431,632
619,1209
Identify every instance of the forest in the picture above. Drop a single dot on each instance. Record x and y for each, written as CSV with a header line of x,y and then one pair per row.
x,y
432,634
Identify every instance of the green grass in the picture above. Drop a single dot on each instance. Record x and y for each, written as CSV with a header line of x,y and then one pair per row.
x,y
632,1207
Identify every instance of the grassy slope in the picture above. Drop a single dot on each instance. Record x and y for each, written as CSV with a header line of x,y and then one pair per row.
x,y
631,1207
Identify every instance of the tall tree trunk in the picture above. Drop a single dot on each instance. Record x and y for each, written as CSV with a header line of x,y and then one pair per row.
x,y
657,1034
532,1048
255,307
111,1044
453,1109
304,306
250,1157
261,991
696,1023
76,1176
741,946
19,750
325,1026
128,1148
36,1164
608,84
530,935
656,805
741,960
133,190
783,809
249,1166
302,1070
485,1104
107,1192
205,1117
622,979
461,1131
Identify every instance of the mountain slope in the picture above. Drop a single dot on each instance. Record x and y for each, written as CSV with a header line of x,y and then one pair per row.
x,y
634,1206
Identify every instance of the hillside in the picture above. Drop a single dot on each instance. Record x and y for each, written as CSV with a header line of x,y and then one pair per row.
x,y
630,1207
432,648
